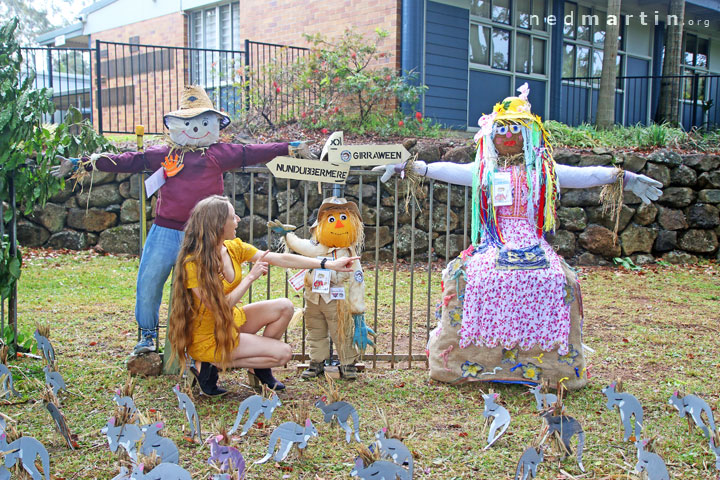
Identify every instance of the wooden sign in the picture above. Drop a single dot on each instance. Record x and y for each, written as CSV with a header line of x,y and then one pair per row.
x,y
312,170
367,155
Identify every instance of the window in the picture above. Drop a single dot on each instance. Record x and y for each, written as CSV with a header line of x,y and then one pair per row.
x,y
695,62
509,35
211,29
584,41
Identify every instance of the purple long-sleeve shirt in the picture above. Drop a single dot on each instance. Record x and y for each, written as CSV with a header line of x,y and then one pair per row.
x,y
201,176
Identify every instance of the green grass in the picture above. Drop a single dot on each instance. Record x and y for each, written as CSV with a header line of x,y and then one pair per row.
x,y
656,328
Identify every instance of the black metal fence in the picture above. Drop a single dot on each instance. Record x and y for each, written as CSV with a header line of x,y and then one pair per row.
x,y
637,97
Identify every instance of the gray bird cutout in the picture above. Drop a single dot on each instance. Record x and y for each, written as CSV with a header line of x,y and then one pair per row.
x,y
501,418
394,449
125,402
6,383
61,424
164,471
694,406
255,406
125,436
528,463
228,458
187,406
650,463
288,434
340,411
566,427
53,380
379,470
44,346
542,400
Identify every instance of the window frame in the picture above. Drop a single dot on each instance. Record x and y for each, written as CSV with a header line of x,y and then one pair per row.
x,y
686,69
214,79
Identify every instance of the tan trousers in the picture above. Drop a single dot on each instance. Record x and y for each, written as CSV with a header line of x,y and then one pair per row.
x,y
321,320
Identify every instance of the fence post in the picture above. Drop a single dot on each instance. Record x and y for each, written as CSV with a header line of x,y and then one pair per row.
x,y
98,78
49,67
12,299
246,80
695,94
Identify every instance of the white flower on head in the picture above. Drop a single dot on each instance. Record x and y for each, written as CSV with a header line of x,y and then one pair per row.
x,y
524,90
486,125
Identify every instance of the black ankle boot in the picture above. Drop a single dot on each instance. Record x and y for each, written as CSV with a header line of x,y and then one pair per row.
x,y
266,377
207,379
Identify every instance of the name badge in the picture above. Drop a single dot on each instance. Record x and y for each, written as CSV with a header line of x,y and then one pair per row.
x,y
321,281
337,293
154,182
297,281
502,189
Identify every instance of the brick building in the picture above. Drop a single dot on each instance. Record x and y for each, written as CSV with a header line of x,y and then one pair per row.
x,y
468,52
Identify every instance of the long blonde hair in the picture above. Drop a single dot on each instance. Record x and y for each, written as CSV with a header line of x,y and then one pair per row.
x,y
202,235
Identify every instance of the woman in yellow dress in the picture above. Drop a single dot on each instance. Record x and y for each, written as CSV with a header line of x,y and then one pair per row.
x,y
207,321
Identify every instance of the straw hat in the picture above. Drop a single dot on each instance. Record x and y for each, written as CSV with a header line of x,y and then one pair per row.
x,y
194,102
335,203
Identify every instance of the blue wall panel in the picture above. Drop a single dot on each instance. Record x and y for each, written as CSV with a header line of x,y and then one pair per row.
x,y
636,91
446,64
487,89
537,94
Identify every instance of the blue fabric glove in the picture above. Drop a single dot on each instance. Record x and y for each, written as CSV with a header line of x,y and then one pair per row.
x,y
360,338
280,228
295,144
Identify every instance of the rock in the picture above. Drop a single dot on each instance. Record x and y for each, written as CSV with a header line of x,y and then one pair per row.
x,y
580,197
386,215
98,178
709,196
459,155
64,194
457,196
566,157
235,183
91,239
70,203
601,151
596,215
439,219
69,239
100,196
426,153
121,177
637,239
667,157
30,234
134,190
457,243
260,205
677,197
634,162
563,242
368,191
709,179
384,255
642,259
383,234
661,173
594,160
51,216
257,224
286,199
122,239
645,214
124,190
599,240
409,143
403,240
671,219
702,215
572,218
683,176
588,259
680,258
699,241
146,364
94,220
665,241
702,162
130,211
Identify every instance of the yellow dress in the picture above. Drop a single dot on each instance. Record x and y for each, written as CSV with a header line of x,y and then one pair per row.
x,y
203,343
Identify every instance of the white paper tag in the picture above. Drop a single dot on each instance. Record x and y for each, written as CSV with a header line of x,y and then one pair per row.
x,y
297,281
502,189
321,281
337,293
154,182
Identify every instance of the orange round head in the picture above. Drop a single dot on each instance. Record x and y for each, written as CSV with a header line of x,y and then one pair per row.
x,y
339,224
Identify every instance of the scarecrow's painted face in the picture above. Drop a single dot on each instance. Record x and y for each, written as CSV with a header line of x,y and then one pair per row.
x,y
200,131
508,140
336,229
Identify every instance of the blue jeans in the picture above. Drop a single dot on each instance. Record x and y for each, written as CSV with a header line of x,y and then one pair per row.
x,y
159,254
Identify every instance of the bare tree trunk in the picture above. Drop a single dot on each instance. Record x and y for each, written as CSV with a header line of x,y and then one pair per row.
x,y
669,103
606,96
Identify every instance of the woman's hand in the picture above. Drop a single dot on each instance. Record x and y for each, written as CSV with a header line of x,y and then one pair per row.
x,y
342,264
259,268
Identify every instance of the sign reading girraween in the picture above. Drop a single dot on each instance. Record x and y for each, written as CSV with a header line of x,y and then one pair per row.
x,y
367,155
313,170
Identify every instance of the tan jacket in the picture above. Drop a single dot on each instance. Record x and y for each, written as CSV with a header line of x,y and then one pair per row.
x,y
354,282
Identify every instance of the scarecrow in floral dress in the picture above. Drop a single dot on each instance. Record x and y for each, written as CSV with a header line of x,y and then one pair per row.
x,y
512,309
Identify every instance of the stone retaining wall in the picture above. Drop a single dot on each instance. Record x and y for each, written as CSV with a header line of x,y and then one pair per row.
x,y
682,226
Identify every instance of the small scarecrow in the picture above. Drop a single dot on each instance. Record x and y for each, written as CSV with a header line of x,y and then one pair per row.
x,y
188,169
511,308
335,301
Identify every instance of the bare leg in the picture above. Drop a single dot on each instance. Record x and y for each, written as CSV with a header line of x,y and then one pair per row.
x,y
255,351
273,315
